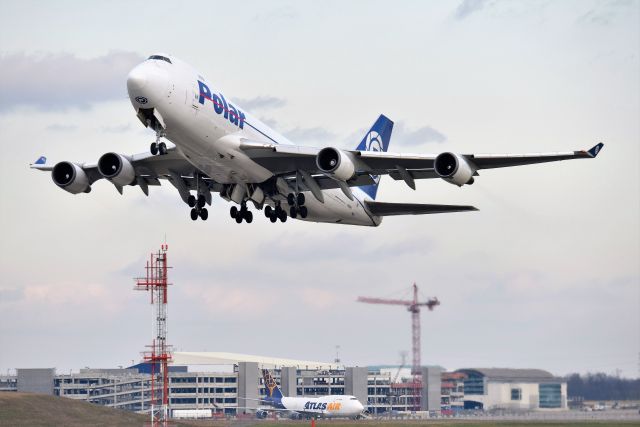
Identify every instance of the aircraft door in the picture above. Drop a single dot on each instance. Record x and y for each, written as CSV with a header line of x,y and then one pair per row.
x,y
195,98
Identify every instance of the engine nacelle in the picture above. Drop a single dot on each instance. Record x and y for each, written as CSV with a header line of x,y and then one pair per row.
x,y
454,168
70,177
336,163
262,414
116,168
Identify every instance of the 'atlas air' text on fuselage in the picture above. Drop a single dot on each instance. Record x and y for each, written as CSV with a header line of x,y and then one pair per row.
x,y
221,106
322,406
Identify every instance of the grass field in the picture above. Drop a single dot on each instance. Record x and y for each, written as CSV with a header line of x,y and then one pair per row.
x,y
24,409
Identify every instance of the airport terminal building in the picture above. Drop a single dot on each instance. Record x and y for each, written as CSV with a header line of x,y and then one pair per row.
x,y
228,390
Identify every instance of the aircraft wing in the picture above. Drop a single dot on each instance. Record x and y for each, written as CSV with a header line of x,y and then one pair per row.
x,y
287,159
387,209
149,170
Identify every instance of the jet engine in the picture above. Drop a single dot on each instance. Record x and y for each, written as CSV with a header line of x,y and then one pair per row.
x,y
70,177
454,168
336,163
116,168
262,414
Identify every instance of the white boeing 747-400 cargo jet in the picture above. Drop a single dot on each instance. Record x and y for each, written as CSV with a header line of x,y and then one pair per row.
x,y
330,406
219,147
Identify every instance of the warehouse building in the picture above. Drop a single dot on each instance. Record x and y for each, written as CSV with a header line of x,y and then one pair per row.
x,y
513,389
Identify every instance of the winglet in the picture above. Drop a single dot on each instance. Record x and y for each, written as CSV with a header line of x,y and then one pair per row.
x,y
41,160
41,164
593,152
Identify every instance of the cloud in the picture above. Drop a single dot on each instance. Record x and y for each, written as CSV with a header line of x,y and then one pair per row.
x,y
278,14
60,81
468,7
11,294
301,134
604,13
116,128
415,137
261,102
56,127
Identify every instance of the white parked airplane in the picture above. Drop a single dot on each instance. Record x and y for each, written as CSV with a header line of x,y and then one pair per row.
x,y
220,147
333,406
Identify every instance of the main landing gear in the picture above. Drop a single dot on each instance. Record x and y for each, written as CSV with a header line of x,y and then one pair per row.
x,y
275,214
241,214
297,207
198,209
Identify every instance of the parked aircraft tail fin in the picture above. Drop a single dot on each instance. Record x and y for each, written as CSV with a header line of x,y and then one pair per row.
x,y
272,391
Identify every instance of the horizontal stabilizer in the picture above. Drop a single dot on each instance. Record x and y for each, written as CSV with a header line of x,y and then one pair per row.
x,y
387,209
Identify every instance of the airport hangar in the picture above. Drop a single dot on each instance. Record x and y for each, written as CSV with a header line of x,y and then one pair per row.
x,y
227,390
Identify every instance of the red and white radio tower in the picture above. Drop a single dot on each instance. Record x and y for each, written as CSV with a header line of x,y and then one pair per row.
x,y
413,306
159,354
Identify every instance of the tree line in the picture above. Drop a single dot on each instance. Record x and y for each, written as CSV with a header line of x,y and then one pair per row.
x,y
600,386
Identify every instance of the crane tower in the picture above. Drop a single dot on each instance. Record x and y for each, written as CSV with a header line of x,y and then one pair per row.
x,y
413,306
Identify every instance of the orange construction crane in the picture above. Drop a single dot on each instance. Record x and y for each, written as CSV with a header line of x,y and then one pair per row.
x,y
413,306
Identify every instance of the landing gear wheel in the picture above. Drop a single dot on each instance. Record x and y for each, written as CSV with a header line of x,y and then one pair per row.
x,y
291,200
282,216
234,212
238,219
267,211
204,214
162,148
194,214
154,148
201,201
293,212
303,212
300,199
191,201
248,216
273,217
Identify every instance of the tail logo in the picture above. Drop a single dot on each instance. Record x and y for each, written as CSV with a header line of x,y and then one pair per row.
x,y
270,383
374,141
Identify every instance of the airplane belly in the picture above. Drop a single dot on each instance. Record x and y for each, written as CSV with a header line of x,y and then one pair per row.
x,y
203,144
337,209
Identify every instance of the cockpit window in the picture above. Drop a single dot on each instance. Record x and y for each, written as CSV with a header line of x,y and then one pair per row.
x,y
162,58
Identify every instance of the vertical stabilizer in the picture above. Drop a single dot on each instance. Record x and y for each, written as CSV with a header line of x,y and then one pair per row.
x,y
377,139
272,391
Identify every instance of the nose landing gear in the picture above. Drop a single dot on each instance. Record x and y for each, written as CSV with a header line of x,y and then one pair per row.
x,y
158,147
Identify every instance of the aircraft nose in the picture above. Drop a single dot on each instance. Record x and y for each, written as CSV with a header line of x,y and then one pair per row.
x,y
136,80
147,85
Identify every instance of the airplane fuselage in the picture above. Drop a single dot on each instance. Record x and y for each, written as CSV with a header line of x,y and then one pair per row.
x,y
324,406
207,128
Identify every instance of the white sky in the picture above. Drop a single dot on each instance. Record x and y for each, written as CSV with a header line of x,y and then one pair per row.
x,y
546,274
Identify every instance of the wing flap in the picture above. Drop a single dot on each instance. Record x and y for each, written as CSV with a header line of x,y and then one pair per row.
x,y
389,209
